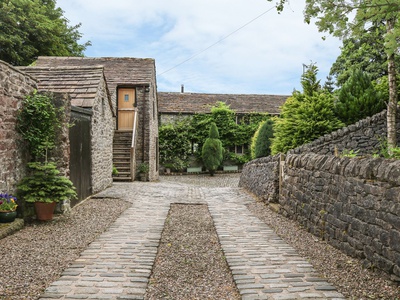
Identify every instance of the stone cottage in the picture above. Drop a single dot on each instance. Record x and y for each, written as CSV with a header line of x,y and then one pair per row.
x,y
131,84
91,145
174,105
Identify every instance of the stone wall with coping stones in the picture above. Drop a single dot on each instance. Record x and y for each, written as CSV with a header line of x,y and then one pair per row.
x,y
14,86
261,177
353,203
364,136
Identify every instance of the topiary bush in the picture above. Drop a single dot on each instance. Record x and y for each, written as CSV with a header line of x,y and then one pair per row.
x,y
262,143
212,152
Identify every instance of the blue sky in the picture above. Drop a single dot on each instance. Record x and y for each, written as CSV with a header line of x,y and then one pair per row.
x,y
266,56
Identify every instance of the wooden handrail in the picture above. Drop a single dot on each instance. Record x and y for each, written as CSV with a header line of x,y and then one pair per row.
x,y
134,129
133,144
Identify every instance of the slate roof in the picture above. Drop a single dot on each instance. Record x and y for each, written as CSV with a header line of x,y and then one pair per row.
x,y
190,103
81,83
117,70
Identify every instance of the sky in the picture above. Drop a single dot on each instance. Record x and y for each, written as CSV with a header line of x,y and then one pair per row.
x,y
209,46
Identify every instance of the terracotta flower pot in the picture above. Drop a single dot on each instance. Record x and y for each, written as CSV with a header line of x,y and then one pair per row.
x,y
44,211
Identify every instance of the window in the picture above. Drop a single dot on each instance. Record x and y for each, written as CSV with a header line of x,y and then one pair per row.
x,y
126,97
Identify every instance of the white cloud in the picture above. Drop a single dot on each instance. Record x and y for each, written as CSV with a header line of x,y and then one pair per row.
x,y
266,56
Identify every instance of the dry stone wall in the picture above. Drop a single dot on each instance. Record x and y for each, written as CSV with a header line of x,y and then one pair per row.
x,y
364,136
14,86
261,177
352,203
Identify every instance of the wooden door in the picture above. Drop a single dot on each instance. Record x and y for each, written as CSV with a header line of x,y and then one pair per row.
x,y
126,102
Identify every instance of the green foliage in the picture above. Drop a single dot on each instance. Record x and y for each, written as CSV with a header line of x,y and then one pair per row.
x,y
44,184
231,134
304,116
115,170
363,50
38,123
358,99
381,87
176,139
386,151
29,29
144,168
261,145
212,150
175,146
349,153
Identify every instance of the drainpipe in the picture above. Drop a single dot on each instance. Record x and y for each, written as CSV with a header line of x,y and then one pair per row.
x,y
144,123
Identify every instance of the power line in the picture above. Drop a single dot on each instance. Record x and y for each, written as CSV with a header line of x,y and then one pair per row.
x,y
217,42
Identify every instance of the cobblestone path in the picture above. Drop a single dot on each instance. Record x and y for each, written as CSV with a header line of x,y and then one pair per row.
x,y
118,264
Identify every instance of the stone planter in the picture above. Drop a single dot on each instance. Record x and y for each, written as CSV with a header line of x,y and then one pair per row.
x,y
7,216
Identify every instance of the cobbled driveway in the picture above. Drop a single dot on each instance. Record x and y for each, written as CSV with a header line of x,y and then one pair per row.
x,y
118,264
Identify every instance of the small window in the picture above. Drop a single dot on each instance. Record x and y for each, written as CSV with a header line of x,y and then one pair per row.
x,y
126,97
239,149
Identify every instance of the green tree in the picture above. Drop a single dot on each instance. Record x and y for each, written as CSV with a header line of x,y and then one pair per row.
x,y
305,116
32,28
358,99
364,50
262,139
343,18
212,150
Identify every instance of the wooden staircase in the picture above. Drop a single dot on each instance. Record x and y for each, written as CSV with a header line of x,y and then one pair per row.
x,y
122,155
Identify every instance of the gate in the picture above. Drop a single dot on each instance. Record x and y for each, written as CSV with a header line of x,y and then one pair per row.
x,y
80,153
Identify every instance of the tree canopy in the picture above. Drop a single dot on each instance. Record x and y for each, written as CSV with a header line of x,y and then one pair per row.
x,y
32,28
342,18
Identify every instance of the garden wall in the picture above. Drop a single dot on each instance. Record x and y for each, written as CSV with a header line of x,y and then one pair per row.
x,y
261,177
14,86
364,136
353,203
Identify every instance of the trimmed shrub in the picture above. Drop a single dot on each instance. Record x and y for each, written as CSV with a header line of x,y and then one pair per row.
x,y
212,153
262,145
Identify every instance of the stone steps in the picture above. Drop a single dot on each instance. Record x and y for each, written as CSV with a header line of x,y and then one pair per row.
x,y
122,155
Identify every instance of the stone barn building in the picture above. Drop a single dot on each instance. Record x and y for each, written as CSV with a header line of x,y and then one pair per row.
x,y
131,86
92,123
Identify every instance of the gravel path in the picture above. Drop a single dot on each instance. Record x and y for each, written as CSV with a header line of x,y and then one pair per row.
x,y
190,262
35,256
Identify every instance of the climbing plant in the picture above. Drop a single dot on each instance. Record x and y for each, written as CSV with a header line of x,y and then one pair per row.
x,y
38,122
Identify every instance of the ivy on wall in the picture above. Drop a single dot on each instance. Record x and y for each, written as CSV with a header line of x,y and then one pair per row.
x,y
183,139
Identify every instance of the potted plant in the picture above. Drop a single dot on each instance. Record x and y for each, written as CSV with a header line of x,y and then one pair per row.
x,y
143,171
40,123
44,187
8,208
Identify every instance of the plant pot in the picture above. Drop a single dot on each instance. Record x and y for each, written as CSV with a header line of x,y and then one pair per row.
x,y
7,216
44,211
